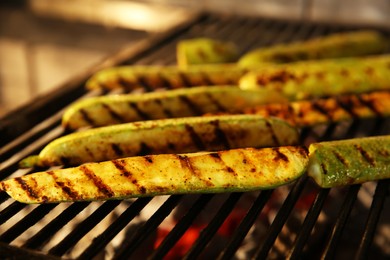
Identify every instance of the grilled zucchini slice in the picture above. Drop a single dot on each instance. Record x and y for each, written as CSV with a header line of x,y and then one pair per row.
x,y
180,135
352,161
233,170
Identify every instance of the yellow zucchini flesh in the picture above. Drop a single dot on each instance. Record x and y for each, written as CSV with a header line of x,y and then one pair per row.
x,y
234,170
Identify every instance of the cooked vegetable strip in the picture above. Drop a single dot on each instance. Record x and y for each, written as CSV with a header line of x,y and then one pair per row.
x,y
179,135
345,44
312,112
115,109
348,162
306,80
171,77
205,51
223,171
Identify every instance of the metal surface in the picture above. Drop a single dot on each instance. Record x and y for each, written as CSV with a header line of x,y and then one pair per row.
x,y
297,221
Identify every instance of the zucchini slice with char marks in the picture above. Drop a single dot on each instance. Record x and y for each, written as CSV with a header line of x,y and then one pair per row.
x,y
116,109
347,162
180,135
233,170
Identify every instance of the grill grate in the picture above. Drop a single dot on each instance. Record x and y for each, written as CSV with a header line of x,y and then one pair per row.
x,y
272,222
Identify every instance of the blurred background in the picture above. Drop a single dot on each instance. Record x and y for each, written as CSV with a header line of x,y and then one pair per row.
x,y
44,43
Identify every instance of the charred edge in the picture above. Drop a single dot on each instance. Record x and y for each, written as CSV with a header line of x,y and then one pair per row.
x,y
195,137
322,110
279,155
30,191
347,105
185,79
216,103
139,112
117,149
370,104
273,134
126,84
97,181
65,160
120,165
191,105
340,158
365,154
166,111
84,114
144,149
113,114
220,136
73,195
142,80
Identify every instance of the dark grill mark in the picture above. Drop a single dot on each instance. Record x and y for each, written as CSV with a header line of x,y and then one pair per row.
x,y
195,137
216,103
206,80
230,170
220,136
139,112
215,155
125,83
347,105
365,154
279,155
73,195
120,165
142,80
117,149
149,159
103,188
272,131
86,117
117,117
185,79
167,112
165,83
186,163
191,105
30,191
317,106
370,104
324,170
340,158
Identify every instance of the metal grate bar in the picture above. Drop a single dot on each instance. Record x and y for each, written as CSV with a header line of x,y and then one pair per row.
x,y
207,233
83,228
132,243
382,190
32,218
281,218
181,227
246,224
55,225
10,211
349,201
103,239
308,224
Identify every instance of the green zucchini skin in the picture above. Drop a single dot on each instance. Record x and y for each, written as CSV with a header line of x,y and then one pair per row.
x,y
338,45
205,51
124,108
352,161
305,113
235,170
314,79
129,78
180,135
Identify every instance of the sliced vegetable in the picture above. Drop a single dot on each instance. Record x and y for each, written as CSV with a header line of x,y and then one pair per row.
x,y
344,44
306,80
170,77
223,171
205,51
115,109
312,112
347,162
179,135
